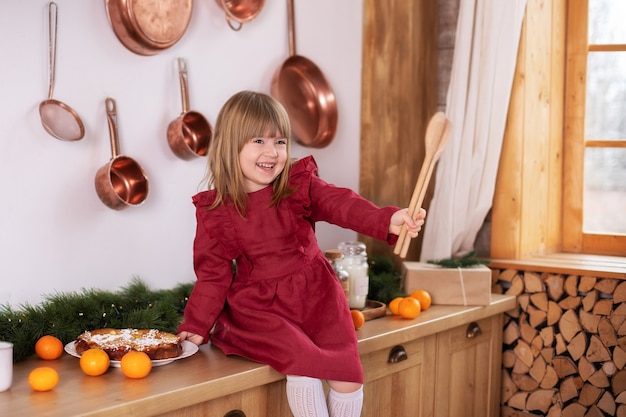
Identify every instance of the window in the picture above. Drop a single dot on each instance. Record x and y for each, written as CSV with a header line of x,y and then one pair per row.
x,y
595,128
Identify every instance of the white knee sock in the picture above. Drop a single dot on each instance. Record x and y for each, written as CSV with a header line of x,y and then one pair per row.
x,y
306,397
345,405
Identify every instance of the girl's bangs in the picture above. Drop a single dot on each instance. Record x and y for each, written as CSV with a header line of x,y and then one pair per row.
x,y
267,122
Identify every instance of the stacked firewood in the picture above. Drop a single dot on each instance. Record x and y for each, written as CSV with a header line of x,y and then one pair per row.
x,y
564,345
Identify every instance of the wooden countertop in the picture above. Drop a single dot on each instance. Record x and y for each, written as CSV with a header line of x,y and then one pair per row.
x,y
207,375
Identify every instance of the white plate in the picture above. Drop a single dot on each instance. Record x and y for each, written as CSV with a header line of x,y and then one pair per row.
x,y
189,348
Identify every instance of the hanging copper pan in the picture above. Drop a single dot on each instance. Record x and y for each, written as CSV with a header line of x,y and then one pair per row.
x,y
58,118
240,11
146,27
121,182
302,89
190,133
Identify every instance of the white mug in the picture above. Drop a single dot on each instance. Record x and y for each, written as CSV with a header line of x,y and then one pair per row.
x,y
6,365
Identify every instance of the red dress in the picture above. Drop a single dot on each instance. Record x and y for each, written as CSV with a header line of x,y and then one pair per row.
x,y
284,307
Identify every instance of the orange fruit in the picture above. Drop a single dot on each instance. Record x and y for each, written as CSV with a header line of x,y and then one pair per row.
x,y
94,362
358,318
49,347
423,297
43,378
136,364
393,305
409,308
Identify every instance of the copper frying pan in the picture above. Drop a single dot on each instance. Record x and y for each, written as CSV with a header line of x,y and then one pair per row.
x,y
146,27
302,89
190,133
122,182
240,11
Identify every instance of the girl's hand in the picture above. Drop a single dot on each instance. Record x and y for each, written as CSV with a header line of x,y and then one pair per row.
x,y
401,217
192,337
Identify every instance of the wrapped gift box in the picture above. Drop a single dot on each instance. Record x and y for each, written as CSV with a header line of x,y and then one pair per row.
x,y
451,286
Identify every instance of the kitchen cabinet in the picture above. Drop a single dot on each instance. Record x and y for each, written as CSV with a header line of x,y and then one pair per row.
x,y
422,367
467,375
451,373
396,379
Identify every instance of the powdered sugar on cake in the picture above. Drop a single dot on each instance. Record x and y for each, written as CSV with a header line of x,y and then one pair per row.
x,y
117,342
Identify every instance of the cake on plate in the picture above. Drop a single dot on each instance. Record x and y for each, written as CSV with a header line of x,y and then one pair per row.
x,y
117,342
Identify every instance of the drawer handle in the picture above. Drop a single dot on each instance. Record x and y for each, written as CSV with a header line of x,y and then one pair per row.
x,y
235,413
397,354
473,330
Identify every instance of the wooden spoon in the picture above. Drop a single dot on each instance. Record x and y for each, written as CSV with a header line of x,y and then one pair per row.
x,y
437,134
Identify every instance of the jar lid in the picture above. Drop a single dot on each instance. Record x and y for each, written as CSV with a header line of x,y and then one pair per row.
x,y
333,254
353,248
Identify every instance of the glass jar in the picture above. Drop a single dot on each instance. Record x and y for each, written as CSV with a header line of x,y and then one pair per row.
x,y
335,256
355,262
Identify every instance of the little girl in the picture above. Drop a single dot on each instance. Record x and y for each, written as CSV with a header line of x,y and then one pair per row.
x,y
282,303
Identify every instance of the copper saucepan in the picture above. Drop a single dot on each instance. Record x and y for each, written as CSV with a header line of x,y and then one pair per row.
x,y
122,182
190,134
146,27
306,95
240,11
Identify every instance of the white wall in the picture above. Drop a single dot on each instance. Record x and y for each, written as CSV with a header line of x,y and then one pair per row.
x,y
55,233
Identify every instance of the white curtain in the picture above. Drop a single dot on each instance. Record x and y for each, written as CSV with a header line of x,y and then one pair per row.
x,y
485,53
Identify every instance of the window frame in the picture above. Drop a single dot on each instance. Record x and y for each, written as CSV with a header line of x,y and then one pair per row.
x,y
574,239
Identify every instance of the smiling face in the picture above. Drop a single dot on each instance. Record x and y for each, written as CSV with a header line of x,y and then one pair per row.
x,y
262,159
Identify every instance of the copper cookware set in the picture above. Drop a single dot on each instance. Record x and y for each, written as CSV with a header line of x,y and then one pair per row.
x,y
306,95
57,118
121,182
147,27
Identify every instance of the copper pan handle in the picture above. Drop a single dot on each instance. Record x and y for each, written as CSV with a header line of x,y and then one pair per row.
x,y
292,28
112,119
230,17
53,16
184,90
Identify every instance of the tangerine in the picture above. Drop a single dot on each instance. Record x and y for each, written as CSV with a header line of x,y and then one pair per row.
x,y
393,305
136,364
358,318
409,307
94,362
43,378
423,297
49,347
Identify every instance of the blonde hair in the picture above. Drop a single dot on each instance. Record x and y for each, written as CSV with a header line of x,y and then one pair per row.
x,y
244,116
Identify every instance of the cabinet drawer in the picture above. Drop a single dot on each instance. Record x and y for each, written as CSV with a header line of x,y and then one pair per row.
x,y
384,362
474,333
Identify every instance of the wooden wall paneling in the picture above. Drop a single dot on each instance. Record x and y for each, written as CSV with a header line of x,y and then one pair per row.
x,y
399,95
528,196
574,150
536,134
507,204
558,26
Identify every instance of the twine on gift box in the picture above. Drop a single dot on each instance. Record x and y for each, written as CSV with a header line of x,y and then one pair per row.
x,y
462,285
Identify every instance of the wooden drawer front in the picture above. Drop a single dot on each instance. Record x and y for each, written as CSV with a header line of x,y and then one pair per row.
x,y
397,389
249,403
376,364
472,334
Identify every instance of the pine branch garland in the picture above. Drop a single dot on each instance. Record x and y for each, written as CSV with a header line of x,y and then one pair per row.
x,y
66,315
385,281
465,261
